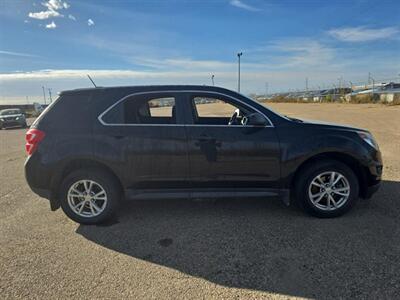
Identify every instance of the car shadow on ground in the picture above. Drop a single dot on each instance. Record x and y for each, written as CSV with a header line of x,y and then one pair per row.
x,y
262,245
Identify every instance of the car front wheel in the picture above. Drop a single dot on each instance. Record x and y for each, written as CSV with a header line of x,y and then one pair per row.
x,y
89,196
327,189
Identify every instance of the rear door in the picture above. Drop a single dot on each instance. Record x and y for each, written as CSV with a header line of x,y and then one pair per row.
x,y
148,139
229,156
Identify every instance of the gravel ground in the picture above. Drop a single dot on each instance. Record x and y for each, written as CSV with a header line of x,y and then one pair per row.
x,y
243,248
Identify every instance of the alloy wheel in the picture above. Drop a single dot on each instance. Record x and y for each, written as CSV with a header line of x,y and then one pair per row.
x,y
329,191
87,198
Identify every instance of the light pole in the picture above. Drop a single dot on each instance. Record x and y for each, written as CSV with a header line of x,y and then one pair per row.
x,y
212,79
239,55
50,95
44,95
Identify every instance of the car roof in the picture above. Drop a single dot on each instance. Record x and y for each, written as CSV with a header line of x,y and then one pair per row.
x,y
150,88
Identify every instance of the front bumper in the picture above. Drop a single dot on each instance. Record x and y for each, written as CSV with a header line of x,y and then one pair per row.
x,y
372,189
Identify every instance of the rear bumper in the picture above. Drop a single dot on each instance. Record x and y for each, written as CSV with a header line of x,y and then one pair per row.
x,y
39,181
41,192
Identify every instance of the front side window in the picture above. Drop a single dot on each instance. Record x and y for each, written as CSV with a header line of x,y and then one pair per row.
x,y
143,110
218,111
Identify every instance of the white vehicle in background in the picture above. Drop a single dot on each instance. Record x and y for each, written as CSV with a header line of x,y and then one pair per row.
x,y
38,108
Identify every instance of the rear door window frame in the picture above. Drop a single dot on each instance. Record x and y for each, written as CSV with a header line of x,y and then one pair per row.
x,y
179,121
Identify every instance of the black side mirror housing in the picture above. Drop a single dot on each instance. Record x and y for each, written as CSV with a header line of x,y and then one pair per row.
x,y
256,119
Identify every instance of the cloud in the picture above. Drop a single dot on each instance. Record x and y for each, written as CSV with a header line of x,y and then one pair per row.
x,y
71,17
43,15
302,52
241,4
52,25
90,22
362,34
53,7
11,53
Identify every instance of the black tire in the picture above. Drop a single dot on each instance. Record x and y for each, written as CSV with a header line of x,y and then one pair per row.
x,y
305,178
106,181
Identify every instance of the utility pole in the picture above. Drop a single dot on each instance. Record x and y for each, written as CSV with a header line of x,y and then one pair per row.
x,y
266,89
239,55
50,95
306,84
370,78
27,100
212,79
44,95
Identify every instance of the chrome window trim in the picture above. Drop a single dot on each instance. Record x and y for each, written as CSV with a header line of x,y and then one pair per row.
x,y
180,91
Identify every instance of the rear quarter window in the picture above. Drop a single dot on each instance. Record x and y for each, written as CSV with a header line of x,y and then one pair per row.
x,y
72,110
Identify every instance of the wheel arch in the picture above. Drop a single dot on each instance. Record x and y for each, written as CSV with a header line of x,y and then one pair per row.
x,y
350,161
76,164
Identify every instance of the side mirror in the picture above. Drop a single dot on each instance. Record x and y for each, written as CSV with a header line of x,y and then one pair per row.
x,y
256,119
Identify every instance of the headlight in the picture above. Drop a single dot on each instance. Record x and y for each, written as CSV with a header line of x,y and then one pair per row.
x,y
17,118
368,138
1,119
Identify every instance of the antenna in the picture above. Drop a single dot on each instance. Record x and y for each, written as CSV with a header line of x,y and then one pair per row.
x,y
90,78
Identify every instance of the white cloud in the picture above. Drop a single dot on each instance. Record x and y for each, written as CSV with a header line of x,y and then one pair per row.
x,y
16,54
241,4
43,15
52,25
55,4
303,53
53,7
90,22
71,17
362,34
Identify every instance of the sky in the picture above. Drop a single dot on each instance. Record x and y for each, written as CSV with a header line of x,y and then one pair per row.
x,y
55,43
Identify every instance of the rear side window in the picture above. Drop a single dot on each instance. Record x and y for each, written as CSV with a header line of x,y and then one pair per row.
x,y
72,110
143,109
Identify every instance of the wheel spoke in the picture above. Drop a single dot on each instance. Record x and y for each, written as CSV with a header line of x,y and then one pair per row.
x,y
99,194
332,178
316,184
320,179
320,196
79,204
82,206
337,179
343,189
332,200
77,193
317,195
341,194
94,205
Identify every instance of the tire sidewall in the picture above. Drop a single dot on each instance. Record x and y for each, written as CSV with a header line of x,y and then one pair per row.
x,y
107,183
321,167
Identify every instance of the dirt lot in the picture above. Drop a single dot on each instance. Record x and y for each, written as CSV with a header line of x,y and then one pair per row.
x,y
243,248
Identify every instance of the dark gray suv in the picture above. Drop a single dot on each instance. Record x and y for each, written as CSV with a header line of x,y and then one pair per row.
x,y
93,147
12,117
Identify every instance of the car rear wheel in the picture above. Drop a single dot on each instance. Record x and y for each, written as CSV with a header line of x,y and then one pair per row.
x,y
327,189
89,196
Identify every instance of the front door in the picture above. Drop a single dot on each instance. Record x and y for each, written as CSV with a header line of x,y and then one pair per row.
x,y
223,153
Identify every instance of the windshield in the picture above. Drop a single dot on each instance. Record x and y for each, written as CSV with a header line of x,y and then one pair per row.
x,y
8,112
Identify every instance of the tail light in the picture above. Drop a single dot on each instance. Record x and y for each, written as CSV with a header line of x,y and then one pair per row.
x,y
33,138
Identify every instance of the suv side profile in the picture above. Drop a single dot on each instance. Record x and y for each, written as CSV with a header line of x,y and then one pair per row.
x,y
91,148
